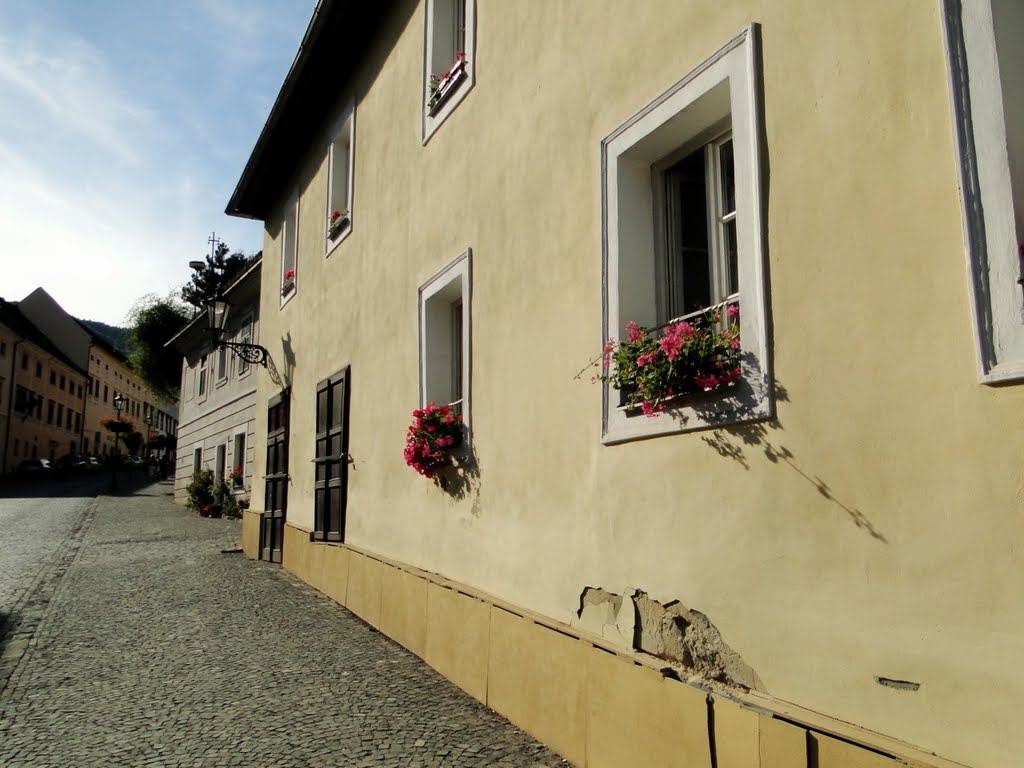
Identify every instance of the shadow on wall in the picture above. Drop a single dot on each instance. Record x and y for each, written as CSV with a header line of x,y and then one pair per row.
x,y
462,480
283,381
733,443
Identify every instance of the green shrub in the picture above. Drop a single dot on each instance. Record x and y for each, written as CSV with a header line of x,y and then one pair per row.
x,y
223,493
200,491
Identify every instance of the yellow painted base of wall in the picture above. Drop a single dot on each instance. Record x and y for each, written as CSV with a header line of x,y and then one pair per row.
x,y
596,705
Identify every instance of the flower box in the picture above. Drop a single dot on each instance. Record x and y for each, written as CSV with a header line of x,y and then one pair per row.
x,y
288,284
444,86
685,358
337,221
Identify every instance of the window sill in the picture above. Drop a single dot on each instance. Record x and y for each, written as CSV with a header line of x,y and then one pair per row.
x,y
744,401
340,233
451,96
286,296
448,86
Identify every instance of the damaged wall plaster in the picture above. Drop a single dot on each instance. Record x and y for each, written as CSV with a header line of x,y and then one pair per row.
x,y
670,631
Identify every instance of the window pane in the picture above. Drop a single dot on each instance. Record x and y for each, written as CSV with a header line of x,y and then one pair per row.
x,y
321,410
337,403
339,168
728,178
732,258
687,268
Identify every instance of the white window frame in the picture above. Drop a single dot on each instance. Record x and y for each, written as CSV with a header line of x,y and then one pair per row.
x,y
989,182
246,332
725,87
289,242
235,461
437,297
223,363
346,125
439,17
203,378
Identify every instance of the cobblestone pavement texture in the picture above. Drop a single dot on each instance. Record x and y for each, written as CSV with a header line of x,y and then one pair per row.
x,y
155,648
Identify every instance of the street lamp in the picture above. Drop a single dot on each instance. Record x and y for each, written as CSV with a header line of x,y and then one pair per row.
x,y
118,405
217,314
149,427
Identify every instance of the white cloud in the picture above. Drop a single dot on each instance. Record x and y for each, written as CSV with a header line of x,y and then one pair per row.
x,y
75,89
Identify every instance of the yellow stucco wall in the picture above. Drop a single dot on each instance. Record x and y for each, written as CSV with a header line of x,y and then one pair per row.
x,y
869,529
598,706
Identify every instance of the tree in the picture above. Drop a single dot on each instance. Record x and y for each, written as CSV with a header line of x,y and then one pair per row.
x,y
133,441
220,269
154,321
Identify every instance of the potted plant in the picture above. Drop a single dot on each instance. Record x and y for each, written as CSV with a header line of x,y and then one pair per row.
x,y
651,368
336,220
237,476
289,282
200,497
434,432
441,86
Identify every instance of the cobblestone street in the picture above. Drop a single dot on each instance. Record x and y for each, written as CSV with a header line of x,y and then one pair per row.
x,y
150,646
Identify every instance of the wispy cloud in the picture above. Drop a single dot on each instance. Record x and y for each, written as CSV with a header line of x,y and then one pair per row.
x,y
75,89
122,136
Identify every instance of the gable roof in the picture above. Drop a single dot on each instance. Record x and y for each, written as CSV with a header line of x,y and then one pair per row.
x,y
339,34
13,318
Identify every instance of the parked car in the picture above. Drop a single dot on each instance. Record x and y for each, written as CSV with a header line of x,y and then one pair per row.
x,y
91,464
33,467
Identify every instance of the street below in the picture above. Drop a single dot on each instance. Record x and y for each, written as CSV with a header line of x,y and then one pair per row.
x,y
132,633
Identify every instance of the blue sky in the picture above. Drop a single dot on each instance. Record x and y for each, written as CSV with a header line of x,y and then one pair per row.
x,y
124,127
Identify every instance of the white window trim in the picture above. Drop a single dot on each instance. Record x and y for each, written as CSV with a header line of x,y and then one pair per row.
x,y
460,269
293,204
987,210
347,117
431,122
244,433
750,397
203,394
222,380
249,322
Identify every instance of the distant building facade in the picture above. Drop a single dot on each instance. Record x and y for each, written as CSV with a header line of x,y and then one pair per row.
x,y
218,393
42,394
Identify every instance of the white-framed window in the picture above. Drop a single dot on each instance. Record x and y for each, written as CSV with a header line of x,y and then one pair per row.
x,y
202,375
985,52
449,61
340,178
197,459
222,365
245,337
238,460
682,231
290,248
445,333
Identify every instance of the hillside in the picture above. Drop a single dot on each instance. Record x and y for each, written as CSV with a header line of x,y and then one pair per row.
x,y
115,335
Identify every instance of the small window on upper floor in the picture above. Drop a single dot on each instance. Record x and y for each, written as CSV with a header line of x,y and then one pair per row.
x,y
222,365
202,377
245,337
53,376
340,175
985,51
449,59
289,248
684,254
